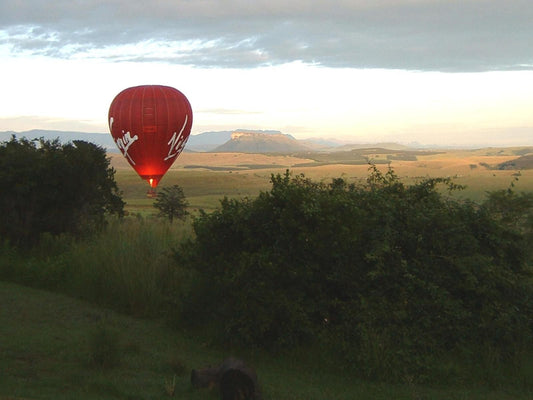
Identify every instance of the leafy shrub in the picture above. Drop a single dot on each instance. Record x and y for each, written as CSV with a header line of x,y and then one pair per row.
x,y
402,272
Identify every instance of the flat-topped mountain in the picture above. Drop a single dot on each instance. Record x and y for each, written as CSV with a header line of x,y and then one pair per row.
x,y
242,141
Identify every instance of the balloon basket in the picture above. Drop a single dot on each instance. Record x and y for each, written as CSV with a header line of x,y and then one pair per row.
x,y
151,193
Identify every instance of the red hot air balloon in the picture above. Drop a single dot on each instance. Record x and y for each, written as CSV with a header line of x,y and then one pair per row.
x,y
150,125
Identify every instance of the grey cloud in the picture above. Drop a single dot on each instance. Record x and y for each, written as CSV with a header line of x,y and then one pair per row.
x,y
433,35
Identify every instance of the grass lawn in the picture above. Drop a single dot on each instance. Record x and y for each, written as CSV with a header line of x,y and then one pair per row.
x,y
46,352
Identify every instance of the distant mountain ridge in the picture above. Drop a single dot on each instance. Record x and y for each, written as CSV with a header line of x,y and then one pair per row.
x,y
209,141
245,140
382,145
249,141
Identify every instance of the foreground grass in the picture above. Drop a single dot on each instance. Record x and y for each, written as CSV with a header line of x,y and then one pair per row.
x,y
46,353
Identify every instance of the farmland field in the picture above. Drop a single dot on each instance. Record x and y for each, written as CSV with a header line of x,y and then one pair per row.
x,y
208,177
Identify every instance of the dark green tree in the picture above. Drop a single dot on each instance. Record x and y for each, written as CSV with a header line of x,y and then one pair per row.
x,y
171,203
49,187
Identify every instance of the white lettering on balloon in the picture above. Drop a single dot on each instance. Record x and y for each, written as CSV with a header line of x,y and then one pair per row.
x,y
125,142
177,142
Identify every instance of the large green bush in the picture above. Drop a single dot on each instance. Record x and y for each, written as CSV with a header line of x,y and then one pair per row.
x,y
52,188
386,273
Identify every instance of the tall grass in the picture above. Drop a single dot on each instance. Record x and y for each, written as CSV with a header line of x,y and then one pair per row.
x,y
128,267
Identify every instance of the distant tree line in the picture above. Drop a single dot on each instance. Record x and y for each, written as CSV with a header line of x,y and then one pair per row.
x,y
387,275
53,188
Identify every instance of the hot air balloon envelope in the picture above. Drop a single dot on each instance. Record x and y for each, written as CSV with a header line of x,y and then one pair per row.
x,y
150,125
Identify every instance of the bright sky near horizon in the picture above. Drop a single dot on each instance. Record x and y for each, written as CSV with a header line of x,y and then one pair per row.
x,y
444,72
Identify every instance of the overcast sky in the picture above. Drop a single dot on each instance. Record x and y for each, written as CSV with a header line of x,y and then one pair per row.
x,y
432,71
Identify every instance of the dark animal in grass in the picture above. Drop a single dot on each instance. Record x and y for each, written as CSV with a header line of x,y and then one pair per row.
x,y
236,384
235,380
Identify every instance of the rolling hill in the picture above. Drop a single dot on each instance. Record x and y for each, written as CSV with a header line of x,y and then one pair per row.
x,y
523,162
